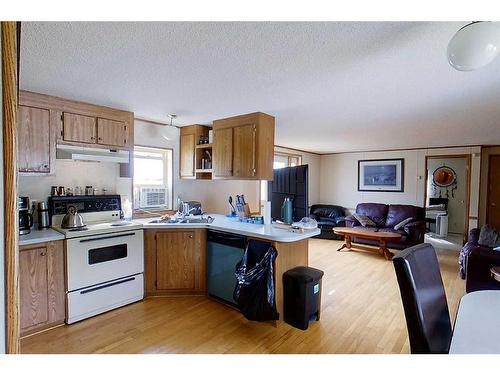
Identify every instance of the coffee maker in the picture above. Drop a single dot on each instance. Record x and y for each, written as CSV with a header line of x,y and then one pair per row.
x,y
25,216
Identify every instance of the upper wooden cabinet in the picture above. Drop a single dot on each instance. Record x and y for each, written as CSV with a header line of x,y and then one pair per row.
x,y
191,154
47,120
41,285
223,152
79,128
112,133
34,140
244,147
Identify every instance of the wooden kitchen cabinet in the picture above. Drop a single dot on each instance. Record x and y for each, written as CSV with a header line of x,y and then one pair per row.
x,y
191,154
79,128
70,122
111,132
175,262
34,140
41,284
244,147
223,152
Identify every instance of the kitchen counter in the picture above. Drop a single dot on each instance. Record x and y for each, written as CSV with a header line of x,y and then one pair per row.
x,y
222,223
39,236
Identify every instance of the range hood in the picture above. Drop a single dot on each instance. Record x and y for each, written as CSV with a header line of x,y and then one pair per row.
x,y
91,154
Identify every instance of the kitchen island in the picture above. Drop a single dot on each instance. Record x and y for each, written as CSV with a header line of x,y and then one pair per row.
x,y
175,253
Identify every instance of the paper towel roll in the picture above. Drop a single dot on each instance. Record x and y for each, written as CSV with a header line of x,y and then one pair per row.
x,y
265,211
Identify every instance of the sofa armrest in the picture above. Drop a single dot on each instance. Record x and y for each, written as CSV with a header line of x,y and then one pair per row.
x,y
313,216
415,231
478,275
350,221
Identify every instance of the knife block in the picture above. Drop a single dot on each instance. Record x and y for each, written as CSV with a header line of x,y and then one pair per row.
x,y
243,210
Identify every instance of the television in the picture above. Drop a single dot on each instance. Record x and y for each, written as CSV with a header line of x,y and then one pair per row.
x,y
289,182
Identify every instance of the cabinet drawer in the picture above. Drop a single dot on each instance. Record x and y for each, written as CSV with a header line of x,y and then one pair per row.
x,y
104,297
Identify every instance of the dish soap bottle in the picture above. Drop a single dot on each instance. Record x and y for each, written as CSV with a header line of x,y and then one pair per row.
x,y
127,210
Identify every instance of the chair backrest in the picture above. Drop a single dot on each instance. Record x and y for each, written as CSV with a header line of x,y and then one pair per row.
x,y
424,299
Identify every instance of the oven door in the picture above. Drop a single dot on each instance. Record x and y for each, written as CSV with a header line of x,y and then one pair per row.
x,y
100,258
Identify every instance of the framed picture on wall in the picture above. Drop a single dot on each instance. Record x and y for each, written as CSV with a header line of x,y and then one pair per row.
x,y
381,175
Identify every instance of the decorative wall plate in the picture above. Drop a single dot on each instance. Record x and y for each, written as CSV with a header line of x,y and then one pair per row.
x,y
444,176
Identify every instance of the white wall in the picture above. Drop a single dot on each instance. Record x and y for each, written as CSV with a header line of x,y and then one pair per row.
x,y
457,200
339,178
69,173
314,162
2,272
213,194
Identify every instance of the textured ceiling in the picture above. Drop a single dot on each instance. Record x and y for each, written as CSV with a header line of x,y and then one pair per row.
x,y
336,86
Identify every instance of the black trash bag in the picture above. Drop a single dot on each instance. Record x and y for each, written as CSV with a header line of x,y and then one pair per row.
x,y
254,292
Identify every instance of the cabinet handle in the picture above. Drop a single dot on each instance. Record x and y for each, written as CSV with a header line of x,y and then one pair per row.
x,y
100,138
42,254
190,236
92,138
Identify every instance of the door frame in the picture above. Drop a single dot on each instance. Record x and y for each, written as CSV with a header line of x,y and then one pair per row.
x,y
468,160
488,187
10,38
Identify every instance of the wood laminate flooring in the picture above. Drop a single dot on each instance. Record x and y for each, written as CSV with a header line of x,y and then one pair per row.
x,y
361,313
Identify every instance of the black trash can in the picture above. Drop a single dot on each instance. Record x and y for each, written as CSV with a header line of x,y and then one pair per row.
x,y
302,296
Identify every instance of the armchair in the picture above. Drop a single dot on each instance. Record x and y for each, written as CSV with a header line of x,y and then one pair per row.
x,y
328,217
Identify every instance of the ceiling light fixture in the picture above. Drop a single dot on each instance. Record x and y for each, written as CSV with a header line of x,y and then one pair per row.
x,y
172,116
474,45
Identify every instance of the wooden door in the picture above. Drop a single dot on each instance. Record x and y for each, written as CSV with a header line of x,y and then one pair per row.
x,y
187,167
79,128
111,132
33,287
222,158
175,260
244,151
493,210
33,126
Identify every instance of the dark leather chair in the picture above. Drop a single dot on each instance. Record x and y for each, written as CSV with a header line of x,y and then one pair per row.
x,y
328,216
424,300
475,263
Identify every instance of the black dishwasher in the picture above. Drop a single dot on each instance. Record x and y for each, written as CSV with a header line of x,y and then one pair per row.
x,y
224,251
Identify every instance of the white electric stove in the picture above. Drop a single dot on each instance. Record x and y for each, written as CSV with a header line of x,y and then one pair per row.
x,y
104,259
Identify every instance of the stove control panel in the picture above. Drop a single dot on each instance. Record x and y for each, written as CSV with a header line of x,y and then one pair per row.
x,y
87,203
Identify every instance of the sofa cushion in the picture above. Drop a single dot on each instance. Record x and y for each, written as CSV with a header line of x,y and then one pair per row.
x,y
375,211
489,236
398,212
364,220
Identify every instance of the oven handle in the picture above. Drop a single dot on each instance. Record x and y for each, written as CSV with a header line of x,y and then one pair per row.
x,y
107,285
105,238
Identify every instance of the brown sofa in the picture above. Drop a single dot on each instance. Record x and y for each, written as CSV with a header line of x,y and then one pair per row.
x,y
386,217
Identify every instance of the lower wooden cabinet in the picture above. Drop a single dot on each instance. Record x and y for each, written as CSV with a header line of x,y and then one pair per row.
x,y
41,282
175,261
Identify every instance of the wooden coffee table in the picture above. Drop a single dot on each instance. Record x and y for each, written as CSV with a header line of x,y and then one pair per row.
x,y
381,237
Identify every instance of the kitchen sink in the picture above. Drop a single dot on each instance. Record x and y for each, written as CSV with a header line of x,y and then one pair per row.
x,y
192,220
208,219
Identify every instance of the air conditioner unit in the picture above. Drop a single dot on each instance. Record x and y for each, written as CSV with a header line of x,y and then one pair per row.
x,y
152,197
442,225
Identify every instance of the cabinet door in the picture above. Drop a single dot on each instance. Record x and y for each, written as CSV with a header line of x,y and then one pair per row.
x,y
223,152
111,133
79,128
187,155
244,151
33,139
33,287
175,260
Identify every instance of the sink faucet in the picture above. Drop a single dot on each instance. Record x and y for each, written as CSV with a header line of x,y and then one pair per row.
x,y
186,211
